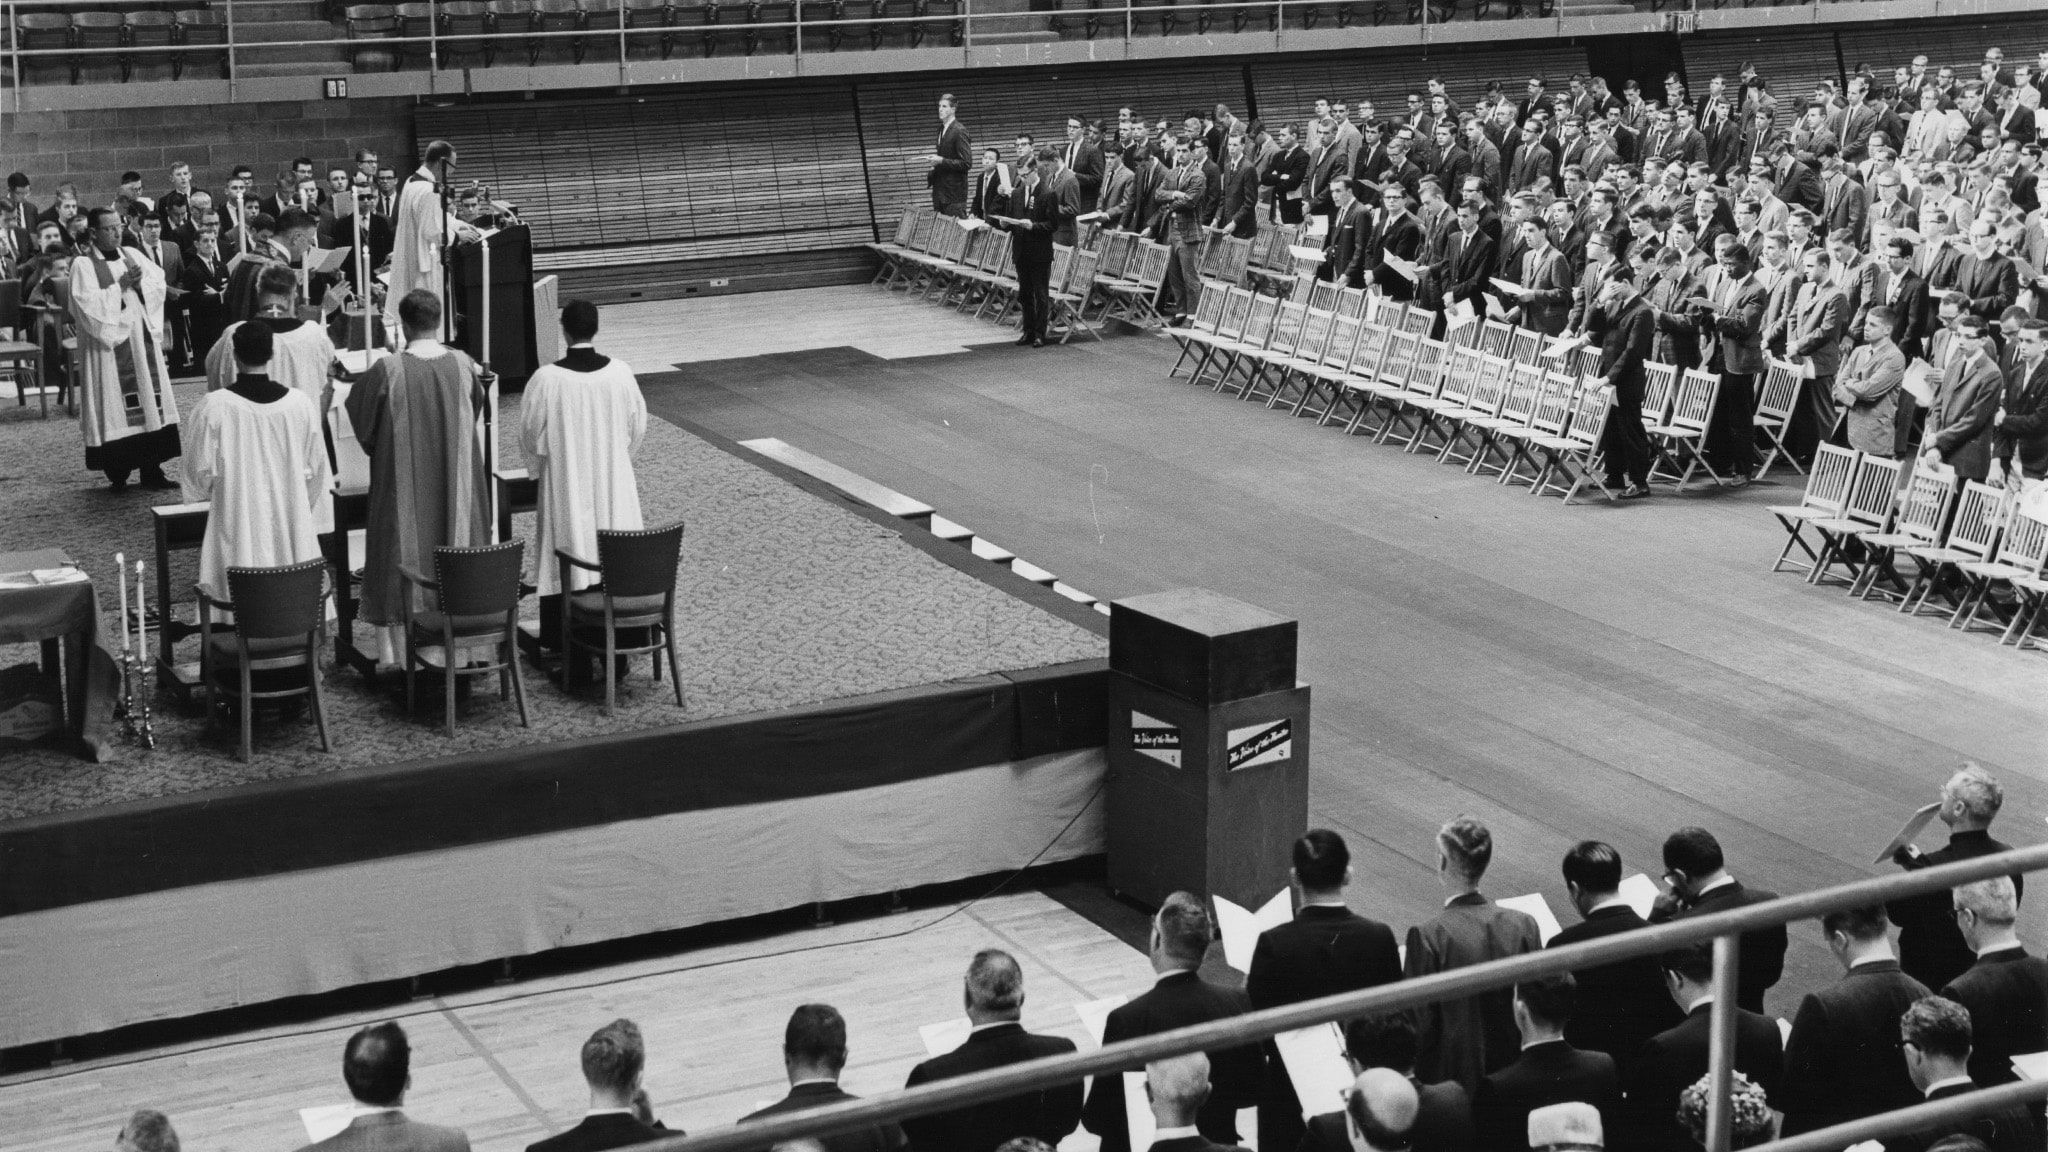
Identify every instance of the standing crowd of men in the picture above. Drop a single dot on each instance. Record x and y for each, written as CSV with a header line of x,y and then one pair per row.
x,y
1850,230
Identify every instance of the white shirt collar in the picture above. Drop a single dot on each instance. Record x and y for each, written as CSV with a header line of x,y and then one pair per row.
x,y
608,1112
1337,903
1887,958
1171,972
1723,882
815,1080
1694,1006
1180,1133
994,1024
362,1109
426,348
1938,1085
1611,902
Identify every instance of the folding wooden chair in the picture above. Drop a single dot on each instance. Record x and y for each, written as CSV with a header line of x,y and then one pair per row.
x,y
1660,383
1386,382
1229,335
1572,455
1973,535
1309,348
1584,361
1200,334
1873,494
1136,301
1280,342
1546,425
1260,319
1922,522
1453,398
891,250
1070,297
1495,336
2021,555
1483,396
1350,391
1351,302
1419,395
1525,345
1780,394
1386,312
1417,320
1326,379
1683,438
1827,491
1525,388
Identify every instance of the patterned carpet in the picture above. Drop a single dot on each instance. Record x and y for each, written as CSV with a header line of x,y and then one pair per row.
x,y
784,600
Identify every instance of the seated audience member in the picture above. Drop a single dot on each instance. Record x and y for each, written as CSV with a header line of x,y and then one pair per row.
x,y
1443,1118
1842,1062
1324,950
813,1054
1676,1057
994,995
377,1066
1700,886
1620,1005
147,1131
1931,947
1549,1070
1567,1127
2006,990
1749,1121
620,1114
1179,997
1463,1040
1935,1037
1180,1091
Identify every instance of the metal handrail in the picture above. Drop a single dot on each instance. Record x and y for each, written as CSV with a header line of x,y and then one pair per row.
x,y
1725,928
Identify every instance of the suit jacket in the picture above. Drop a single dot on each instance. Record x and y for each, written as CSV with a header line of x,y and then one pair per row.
x,y
1324,950
989,198
1842,205
1467,265
1911,313
1048,214
1763,951
603,1132
1048,1114
818,1094
948,177
1531,161
1843,1061
1443,1123
1238,211
1326,166
1178,1001
172,264
1549,275
391,1132
1084,160
1931,948
2009,1129
1620,1006
1675,1059
1463,1040
1344,250
1544,1074
1819,317
1992,284
1735,344
1287,172
1401,237
2007,995
1868,389
2023,437
1959,427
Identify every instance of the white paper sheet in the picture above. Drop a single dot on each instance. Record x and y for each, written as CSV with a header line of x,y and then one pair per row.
x,y
1507,287
1138,1110
1305,253
1535,905
1409,269
1641,893
945,1036
1241,929
1094,1015
2031,1065
1917,383
326,1120
1315,1062
326,260
1784,1032
1559,347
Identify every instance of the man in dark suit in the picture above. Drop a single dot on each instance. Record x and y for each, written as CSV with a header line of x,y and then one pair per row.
x,y
1545,299
1083,158
995,1004
1396,232
1180,1091
1906,295
1037,213
1237,210
1443,1117
18,211
2019,439
377,1066
1935,1038
613,1059
1326,949
1731,325
813,1053
1958,433
1467,261
1842,1062
1286,174
2006,990
949,162
1674,1059
1549,1070
1931,946
1382,1113
992,186
1625,328
1179,998
1988,276
1700,886
1344,248
1621,1005
1465,1039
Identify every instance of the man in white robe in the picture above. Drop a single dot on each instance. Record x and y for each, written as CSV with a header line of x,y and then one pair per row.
x,y
421,227
302,357
126,409
258,456
581,420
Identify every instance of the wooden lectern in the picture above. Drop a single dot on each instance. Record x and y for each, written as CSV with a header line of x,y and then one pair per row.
x,y
1208,747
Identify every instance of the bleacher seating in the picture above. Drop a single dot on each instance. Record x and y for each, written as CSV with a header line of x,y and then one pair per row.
x,y
95,45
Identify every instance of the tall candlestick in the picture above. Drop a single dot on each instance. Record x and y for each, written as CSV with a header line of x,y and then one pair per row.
x,y
141,613
121,579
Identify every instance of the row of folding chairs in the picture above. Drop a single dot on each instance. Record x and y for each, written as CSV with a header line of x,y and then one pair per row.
x,y
1484,398
937,257
1923,541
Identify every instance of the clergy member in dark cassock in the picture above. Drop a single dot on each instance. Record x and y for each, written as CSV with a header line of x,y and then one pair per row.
x,y
1326,949
1620,1005
813,1055
1842,1062
1179,998
994,997
126,409
1625,328
1931,947
417,416
1037,212
1935,1037
1674,1059
1548,1071
2006,990
613,1059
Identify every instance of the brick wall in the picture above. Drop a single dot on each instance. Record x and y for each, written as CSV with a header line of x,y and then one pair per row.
x,y
92,147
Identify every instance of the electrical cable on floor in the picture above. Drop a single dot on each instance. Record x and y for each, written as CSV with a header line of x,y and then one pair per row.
x,y
514,997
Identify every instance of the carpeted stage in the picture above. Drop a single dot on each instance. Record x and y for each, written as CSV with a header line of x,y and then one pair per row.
x,y
867,706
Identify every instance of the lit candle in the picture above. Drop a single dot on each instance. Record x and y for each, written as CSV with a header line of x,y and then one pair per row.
x,y
141,614
121,579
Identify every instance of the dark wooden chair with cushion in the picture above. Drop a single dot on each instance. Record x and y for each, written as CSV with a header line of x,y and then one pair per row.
x,y
634,601
474,599
274,649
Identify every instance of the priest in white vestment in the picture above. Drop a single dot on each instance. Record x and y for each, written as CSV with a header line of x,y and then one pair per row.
x,y
580,421
126,409
257,455
302,357
420,227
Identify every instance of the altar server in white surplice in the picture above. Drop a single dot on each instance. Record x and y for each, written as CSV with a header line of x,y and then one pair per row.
x,y
302,355
256,453
581,420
